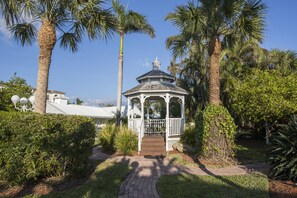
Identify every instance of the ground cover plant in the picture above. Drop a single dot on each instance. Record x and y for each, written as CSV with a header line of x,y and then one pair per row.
x,y
245,186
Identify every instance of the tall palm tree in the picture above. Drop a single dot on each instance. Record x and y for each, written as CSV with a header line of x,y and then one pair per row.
x,y
71,18
127,21
220,22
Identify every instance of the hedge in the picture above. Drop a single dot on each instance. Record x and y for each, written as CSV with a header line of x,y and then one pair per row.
x,y
35,146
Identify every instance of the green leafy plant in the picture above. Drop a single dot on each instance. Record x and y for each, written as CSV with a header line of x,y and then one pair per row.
x,y
107,136
283,152
189,136
216,134
126,141
33,146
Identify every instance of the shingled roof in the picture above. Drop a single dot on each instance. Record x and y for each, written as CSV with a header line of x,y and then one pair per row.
x,y
155,74
161,87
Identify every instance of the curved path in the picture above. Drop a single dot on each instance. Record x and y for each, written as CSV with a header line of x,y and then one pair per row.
x,y
142,180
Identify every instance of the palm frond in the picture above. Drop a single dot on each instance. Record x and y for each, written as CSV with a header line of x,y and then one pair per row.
x,y
25,33
70,41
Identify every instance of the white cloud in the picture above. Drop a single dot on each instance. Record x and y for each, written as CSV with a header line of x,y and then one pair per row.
x,y
92,101
145,63
4,30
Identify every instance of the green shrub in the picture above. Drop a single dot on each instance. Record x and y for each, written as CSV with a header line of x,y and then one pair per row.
x,y
107,136
34,146
216,134
126,141
283,152
189,136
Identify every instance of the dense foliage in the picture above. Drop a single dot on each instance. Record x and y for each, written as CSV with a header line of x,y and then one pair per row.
x,y
15,86
265,96
216,134
126,141
107,136
34,146
283,152
189,136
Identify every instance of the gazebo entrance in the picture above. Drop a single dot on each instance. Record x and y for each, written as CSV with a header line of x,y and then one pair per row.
x,y
156,107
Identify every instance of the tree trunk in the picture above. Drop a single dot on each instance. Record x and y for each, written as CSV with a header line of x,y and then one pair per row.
x,y
120,82
46,40
214,71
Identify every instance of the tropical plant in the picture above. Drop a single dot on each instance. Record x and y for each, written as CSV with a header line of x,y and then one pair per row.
x,y
71,18
15,86
107,136
127,21
126,141
283,152
189,62
219,22
265,97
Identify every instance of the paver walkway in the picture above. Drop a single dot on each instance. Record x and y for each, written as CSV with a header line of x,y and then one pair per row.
x,y
142,180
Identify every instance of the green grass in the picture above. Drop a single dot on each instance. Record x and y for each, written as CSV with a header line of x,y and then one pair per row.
x,y
243,186
177,159
251,151
105,182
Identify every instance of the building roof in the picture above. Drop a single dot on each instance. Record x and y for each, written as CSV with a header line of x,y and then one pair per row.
x,y
155,73
155,81
88,111
156,87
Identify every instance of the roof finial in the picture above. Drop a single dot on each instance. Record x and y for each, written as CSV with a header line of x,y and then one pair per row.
x,y
156,64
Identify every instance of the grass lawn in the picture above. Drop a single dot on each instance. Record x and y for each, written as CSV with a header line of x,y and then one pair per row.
x,y
105,182
251,151
243,186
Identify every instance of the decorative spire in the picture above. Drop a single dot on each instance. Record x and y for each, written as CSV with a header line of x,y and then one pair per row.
x,y
156,64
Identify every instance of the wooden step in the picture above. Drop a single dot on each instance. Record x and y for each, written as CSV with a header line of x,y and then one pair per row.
x,y
153,148
153,153
152,143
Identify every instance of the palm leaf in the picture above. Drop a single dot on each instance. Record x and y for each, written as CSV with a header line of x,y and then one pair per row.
x,y
25,33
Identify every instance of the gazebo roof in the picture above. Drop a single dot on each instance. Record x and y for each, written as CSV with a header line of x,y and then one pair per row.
x,y
156,87
156,81
154,73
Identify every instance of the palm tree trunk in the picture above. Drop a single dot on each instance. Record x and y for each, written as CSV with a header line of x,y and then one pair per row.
x,y
214,71
120,81
46,40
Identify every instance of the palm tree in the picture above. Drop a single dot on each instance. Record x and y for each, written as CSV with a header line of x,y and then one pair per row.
x,y
217,23
127,21
71,18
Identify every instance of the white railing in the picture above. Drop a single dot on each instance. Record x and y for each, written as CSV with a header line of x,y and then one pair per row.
x,y
155,126
176,126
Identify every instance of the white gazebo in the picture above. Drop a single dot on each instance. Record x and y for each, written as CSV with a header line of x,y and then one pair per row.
x,y
161,105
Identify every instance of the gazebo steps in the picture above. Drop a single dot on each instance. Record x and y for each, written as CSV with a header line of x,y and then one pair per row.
x,y
153,146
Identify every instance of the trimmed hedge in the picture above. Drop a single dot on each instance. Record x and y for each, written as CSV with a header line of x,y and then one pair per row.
x,y
34,146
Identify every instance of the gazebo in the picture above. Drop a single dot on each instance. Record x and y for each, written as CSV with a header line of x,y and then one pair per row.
x,y
160,106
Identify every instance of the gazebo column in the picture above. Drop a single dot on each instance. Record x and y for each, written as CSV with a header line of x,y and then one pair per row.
x,y
167,100
141,131
183,114
129,112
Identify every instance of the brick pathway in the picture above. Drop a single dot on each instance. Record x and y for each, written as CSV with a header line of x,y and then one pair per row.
x,y
142,180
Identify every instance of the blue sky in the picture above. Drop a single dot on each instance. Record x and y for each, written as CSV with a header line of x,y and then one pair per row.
x,y
91,73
